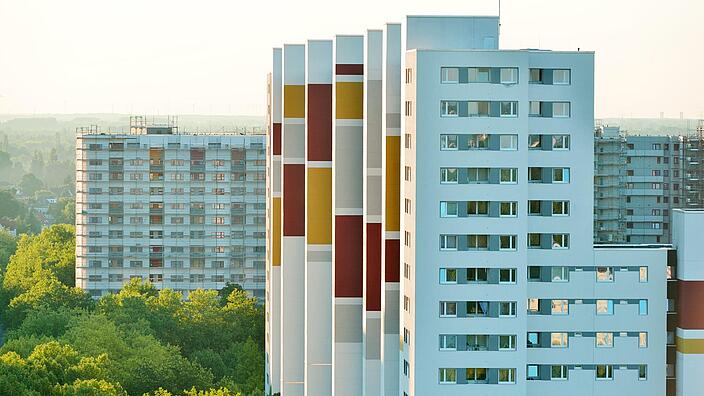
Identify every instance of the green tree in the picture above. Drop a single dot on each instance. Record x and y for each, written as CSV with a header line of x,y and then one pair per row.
x,y
30,184
8,244
63,211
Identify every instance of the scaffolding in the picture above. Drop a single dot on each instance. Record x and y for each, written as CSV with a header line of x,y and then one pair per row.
x,y
609,180
694,168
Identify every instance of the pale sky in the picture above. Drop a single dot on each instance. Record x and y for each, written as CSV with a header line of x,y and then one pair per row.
x,y
212,56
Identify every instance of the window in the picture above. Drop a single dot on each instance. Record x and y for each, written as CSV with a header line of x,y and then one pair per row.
x,y
560,274
448,342
604,274
448,142
643,274
560,208
477,242
533,305
476,375
642,372
507,242
604,340
406,304
509,175
407,238
448,275
448,309
448,242
479,109
409,108
507,309
507,342
509,109
477,275
407,173
559,307
534,142
561,175
478,175
534,108
449,75
532,340
507,275
448,175
561,109
532,372
535,174
533,240
507,376
478,208
604,372
407,140
478,141
409,75
560,241
604,307
559,340
642,339
560,142
448,209
508,142
558,372
477,342
449,108
534,208
479,74
477,308
642,307
561,77
448,376
535,76
509,75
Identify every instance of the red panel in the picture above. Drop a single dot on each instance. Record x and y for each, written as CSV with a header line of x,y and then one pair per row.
x,y
277,138
374,267
353,69
690,308
320,122
294,199
392,260
197,154
348,256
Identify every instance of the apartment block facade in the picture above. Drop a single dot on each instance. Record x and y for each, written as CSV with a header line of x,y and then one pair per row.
x,y
430,214
184,211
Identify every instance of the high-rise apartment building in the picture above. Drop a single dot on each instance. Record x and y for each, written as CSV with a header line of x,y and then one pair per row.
x,y
465,172
182,210
639,180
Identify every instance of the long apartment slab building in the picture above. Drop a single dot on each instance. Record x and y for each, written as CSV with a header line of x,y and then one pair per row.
x,y
182,210
429,227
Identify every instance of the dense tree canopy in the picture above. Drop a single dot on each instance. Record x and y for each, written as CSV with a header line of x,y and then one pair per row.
x,y
58,341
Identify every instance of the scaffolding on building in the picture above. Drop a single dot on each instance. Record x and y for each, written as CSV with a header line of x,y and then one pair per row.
x,y
694,168
609,180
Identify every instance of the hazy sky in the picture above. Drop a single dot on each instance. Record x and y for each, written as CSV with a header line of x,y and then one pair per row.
x,y
211,57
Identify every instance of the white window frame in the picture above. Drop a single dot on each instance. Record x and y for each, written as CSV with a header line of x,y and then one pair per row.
x,y
609,307
511,342
560,241
643,339
512,242
473,108
565,107
511,309
474,73
534,108
555,308
512,206
645,372
478,141
604,339
510,373
446,142
563,208
513,109
604,274
476,271
532,372
565,173
474,173
508,75
445,342
446,242
563,140
562,272
559,340
511,275
643,274
476,211
445,174
447,306
512,141
476,245
512,173
444,279
608,372
563,372
447,376
447,77
568,74
446,208
445,108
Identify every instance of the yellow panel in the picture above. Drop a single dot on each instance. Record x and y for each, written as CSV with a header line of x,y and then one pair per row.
x,y
294,101
349,100
689,345
276,232
319,209
393,189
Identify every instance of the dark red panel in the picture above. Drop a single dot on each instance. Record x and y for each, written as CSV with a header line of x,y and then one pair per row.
x,y
294,199
197,154
354,69
277,138
348,256
690,308
392,260
319,122
374,267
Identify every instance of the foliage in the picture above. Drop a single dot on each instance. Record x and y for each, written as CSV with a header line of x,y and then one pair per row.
x,y
8,244
63,211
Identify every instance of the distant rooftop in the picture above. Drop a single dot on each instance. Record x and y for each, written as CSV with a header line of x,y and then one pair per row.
x,y
162,125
